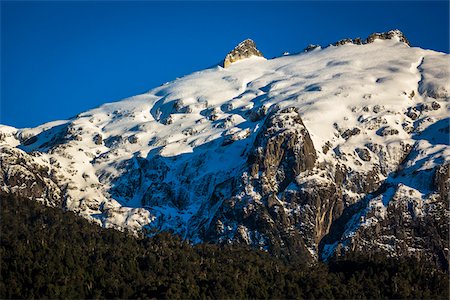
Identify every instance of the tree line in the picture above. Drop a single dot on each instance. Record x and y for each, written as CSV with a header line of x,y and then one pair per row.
x,y
48,253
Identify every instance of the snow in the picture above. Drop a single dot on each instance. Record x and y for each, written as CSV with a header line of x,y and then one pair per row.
x,y
435,76
198,127
8,136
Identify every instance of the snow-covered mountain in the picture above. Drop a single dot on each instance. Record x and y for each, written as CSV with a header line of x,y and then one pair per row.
x,y
333,149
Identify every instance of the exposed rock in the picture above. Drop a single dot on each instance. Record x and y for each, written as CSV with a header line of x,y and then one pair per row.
x,y
21,175
387,131
113,141
395,219
258,113
363,154
212,113
408,226
311,47
392,34
357,182
412,113
231,138
326,147
282,150
350,132
376,109
189,131
429,106
168,120
435,105
133,139
357,41
98,139
442,181
244,50
343,42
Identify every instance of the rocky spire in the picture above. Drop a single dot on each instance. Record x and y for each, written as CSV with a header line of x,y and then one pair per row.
x,y
245,49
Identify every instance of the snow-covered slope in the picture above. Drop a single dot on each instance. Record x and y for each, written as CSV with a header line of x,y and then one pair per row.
x,y
378,113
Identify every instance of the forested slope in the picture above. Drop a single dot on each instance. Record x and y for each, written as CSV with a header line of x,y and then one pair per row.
x,y
47,253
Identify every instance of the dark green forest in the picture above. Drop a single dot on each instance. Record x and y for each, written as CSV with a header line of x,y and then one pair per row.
x,y
48,253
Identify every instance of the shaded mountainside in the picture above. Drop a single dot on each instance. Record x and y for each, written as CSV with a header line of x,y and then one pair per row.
x,y
319,154
48,253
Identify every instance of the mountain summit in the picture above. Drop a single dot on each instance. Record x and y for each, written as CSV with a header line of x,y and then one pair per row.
x,y
395,34
320,153
244,49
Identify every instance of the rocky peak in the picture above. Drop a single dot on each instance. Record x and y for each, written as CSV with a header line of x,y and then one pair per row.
x,y
243,50
391,34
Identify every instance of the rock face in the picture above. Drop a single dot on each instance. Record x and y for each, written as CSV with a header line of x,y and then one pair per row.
x,y
283,200
406,226
256,206
244,50
22,175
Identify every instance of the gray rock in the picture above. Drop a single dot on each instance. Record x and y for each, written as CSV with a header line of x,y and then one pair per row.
x,y
387,36
385,131
311,47
244,50
343,42
21,175
442,181
257,113
363,154
133,139
376,109
357,41
282,150
98,139
412,113
429,106
350,132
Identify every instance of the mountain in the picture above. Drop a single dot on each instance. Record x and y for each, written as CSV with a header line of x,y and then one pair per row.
x,y
332,150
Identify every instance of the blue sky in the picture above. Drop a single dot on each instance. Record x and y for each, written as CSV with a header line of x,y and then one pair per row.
x,y
61,58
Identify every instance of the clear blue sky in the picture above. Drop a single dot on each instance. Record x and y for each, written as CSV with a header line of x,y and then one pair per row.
x,y
61,58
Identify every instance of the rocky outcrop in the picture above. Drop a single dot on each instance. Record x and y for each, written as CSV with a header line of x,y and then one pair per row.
x,y
283,149
21,175
391,34
442,182
343,42
311,47
408,226
276,203
397,219
244,50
